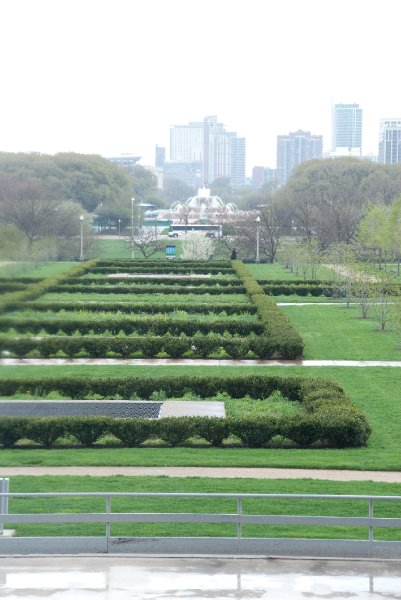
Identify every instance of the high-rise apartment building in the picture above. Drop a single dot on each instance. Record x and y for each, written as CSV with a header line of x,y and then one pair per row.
x,y
160,156
186,143
346,130
390,141
294,149
221,153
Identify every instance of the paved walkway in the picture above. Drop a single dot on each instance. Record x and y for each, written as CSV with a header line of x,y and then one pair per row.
x,y
126,577
212,472
201,362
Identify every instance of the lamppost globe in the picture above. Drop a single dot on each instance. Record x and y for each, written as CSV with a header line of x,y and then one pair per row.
x,y
257,259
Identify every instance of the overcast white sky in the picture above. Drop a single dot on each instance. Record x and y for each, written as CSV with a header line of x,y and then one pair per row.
x,y
112,76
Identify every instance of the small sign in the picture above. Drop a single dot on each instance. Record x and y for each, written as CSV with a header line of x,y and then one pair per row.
x,y
170,251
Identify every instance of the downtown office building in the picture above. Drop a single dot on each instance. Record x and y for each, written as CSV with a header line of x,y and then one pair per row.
x,y
390,141
220,153
346,130
294,149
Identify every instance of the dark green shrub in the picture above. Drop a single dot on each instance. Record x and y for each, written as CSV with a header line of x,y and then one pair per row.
x,y
253,433
11,430
304,430
132,432
175,430
212,429
45,430
87,430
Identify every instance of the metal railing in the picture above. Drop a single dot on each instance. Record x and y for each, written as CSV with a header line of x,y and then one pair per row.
x,y
237,518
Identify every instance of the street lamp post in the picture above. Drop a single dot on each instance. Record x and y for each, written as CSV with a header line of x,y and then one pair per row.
x,y
132,227
257,259
81,254
119,227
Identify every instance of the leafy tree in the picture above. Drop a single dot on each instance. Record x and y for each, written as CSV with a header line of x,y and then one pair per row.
x,y
175,190
395,231
343,264
328,198
87,179
374,230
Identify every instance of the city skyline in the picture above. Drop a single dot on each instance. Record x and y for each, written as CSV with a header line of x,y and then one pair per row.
x,y
112,77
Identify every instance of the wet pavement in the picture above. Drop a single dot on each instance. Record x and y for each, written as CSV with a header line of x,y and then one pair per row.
x,y
136,578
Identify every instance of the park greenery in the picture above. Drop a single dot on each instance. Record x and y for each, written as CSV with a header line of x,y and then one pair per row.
x,y
330,250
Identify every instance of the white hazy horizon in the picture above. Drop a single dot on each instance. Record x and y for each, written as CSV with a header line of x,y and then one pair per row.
x,y
112,76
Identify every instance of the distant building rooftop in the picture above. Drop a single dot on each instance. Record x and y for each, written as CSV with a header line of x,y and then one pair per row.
x,y
125,161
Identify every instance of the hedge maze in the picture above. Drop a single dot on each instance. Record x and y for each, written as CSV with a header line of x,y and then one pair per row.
x,y
222,313
326,416
159,309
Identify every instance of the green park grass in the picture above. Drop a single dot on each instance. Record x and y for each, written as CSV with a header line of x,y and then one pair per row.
x,y
278,272
338,332
198,505
121,249
375,391
34,269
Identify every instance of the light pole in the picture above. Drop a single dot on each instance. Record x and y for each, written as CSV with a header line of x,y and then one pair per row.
x,y
119,227
81,254
257,259
132,227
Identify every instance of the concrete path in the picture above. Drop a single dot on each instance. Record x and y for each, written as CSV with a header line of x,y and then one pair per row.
x,y
125,577
201,362
212,472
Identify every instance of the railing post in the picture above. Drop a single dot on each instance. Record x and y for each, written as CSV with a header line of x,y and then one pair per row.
x,y
108,511
239,513
4,488
371,517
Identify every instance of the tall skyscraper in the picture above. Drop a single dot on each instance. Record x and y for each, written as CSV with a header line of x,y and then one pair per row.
x,y
186,143
346,130
390,141
220,152
294,149
160,156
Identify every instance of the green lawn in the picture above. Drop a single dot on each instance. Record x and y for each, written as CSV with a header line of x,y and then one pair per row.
x,y
337,332
276,271
37,270
375,391
222,505
120,248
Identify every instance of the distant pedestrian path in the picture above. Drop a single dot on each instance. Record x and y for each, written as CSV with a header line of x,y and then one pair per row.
x,y
192,362
212,472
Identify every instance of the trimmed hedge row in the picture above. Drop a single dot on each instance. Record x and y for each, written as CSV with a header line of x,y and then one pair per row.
x,y
11,286
151,324
200,346
130,307
253,433
237,386
279,331
146,289
206,281
299,290
110,262
8,301
165,268
330,418
300,282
